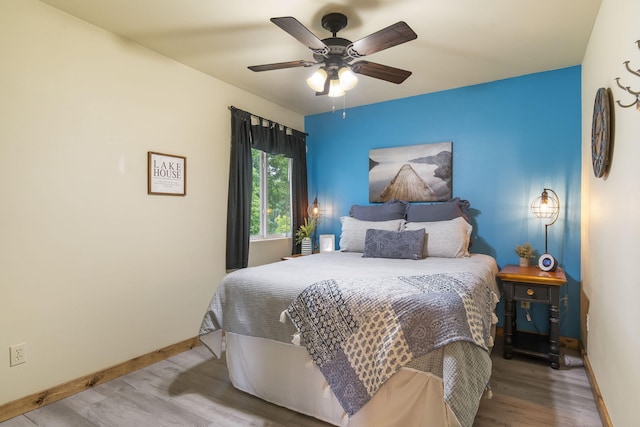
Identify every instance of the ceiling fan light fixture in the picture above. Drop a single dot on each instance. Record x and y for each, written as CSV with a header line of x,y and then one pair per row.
x,y
335,90
348,79
316,81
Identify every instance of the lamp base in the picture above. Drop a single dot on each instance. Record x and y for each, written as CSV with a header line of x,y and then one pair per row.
x,y
547,263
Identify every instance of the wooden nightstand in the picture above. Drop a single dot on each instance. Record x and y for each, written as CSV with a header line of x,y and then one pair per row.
x,y
536,286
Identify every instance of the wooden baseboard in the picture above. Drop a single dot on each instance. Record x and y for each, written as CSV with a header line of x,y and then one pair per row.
x,y
37,400
602,409
570,343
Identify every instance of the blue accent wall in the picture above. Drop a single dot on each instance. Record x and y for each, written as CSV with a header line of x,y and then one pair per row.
x,y
511,138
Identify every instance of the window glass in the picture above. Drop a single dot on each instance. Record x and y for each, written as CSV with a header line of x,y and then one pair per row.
x,y
256,206
279,195
271,197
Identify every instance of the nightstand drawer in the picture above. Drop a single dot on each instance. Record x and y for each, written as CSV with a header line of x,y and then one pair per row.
x,y
530,292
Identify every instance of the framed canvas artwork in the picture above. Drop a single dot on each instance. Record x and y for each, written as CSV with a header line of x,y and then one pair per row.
x,y
415,173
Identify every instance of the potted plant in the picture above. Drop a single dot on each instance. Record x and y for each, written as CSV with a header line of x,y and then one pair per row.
x,y
525,252
303,236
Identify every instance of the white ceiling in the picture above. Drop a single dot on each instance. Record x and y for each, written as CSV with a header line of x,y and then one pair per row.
x,y
460,42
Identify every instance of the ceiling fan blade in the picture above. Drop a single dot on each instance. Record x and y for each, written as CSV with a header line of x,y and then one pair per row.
x,y
292,26
379,71
281,65
393,35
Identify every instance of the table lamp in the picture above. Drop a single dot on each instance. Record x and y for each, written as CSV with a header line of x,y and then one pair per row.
x,y
547,207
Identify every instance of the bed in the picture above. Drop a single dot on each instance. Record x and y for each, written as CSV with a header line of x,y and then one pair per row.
x,y
365,336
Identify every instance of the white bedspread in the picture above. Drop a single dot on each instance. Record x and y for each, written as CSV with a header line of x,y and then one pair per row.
x,y
275,285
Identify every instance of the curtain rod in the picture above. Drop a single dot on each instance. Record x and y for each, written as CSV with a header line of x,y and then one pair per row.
x,y
231,107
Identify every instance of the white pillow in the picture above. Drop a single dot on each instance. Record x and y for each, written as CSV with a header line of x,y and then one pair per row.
x,y
354,231
445,239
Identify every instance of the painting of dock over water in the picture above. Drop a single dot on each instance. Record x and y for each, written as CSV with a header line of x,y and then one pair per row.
x,y
415,173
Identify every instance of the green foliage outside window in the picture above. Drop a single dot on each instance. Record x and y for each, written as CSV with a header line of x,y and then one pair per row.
x,y
276,191
255,194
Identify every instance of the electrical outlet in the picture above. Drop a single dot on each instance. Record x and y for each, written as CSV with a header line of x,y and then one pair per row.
x,y
525,304
18,354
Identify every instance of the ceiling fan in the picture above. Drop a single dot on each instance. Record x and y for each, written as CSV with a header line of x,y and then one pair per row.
x,y
337,72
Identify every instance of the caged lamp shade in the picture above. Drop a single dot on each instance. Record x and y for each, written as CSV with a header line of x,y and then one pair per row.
x,y
546,206
314,210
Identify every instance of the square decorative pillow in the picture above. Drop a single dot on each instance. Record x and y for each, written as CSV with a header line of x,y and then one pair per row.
x,y
394,244
354,231
446,239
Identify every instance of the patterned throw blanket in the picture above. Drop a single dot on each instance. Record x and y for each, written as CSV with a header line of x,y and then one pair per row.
x,y
360,332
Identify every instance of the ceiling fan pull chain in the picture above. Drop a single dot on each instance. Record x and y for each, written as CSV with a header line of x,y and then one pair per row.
x,y
344,106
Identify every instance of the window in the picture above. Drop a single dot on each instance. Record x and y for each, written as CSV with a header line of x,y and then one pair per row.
x,y
271,198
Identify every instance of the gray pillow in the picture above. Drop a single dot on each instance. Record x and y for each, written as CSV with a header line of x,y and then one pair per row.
x,y
393,209
394,244
445,211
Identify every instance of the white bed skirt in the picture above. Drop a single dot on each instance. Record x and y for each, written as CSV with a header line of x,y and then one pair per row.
x,y
285,375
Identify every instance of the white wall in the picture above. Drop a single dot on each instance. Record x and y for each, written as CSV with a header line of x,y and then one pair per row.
x,y
611,226
93,271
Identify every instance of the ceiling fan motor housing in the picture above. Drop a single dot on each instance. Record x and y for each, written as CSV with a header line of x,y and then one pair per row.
x,y
334,22
336,57
337,53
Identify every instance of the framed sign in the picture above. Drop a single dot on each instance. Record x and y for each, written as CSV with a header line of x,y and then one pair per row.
x,y
167,174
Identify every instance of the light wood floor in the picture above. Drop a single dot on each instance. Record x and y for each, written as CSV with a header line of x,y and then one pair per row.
x,y
193,389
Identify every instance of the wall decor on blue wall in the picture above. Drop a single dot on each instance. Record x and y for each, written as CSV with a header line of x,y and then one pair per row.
x,y
416,173
503,133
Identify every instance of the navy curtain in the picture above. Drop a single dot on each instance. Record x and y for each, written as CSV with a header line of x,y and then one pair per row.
x,y
274,139
299,189
239,196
